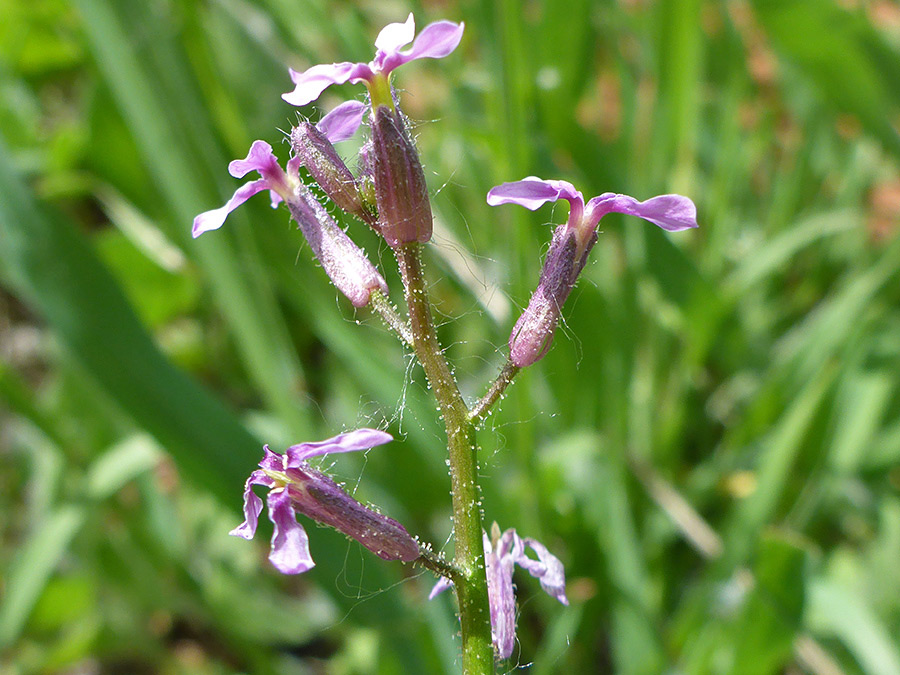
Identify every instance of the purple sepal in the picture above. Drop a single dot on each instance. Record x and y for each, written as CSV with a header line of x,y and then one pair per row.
x,y
351,441
342,122
290,544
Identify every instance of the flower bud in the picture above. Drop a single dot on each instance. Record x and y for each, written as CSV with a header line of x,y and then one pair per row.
x,y
320,158
404,209
343,261
533,333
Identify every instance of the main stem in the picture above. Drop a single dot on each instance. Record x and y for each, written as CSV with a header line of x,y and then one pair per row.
x,y
469,581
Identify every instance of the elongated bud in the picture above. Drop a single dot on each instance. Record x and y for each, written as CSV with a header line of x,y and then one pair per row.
x,y
533,333
322,161
343,261
316,495
404,210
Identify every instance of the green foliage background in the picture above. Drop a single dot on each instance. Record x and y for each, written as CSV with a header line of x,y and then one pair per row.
x,y
711,447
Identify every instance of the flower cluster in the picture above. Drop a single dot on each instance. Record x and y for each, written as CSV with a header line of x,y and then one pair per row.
x,y
297,487
502,552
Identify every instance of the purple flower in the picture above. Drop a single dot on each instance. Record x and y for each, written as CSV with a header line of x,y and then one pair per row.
x,y
532,335
500,556
296,487
343,261
436,41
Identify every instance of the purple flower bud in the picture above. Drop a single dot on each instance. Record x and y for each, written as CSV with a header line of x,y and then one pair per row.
x,y
404,209
296,487
318,155
533,333
343,261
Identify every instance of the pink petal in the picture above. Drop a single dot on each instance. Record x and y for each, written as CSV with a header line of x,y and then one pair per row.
x,y
436,41
252,505
361,439
442,585
501,599
260,158
547,568
396,35
290,544
670,212
213,220
342,122
312,82
532,193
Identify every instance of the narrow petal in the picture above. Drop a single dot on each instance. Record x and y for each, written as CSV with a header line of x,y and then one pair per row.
x,y
502,600
532,193
342,122
547,568
309,84
396,35
290,545
361,439
271,460
442,585
436,41
670,212
213,220
252,505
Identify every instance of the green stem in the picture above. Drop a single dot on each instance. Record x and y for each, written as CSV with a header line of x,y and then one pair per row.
x,y
382,304
469,580
504,379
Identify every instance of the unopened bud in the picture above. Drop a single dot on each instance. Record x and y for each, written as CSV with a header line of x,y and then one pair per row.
x,y
322,161
533,333
404,209
343,261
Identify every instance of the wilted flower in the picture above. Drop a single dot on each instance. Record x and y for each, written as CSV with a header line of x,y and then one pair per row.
x,y
436,41
296,487
533,333
502,552
343,261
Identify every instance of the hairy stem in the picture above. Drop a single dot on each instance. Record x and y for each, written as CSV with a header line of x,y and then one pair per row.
x,y
469,579
504,379
382,304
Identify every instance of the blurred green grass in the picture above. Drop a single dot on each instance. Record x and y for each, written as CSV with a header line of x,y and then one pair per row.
x,y
711,447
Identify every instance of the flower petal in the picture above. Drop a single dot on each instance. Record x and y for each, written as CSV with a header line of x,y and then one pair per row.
x,y
547,568
290,545
252,505
436,41
213,220
670,212
532,193
442,585
501,598
309,84
342,122
260,158
396,35
360,439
